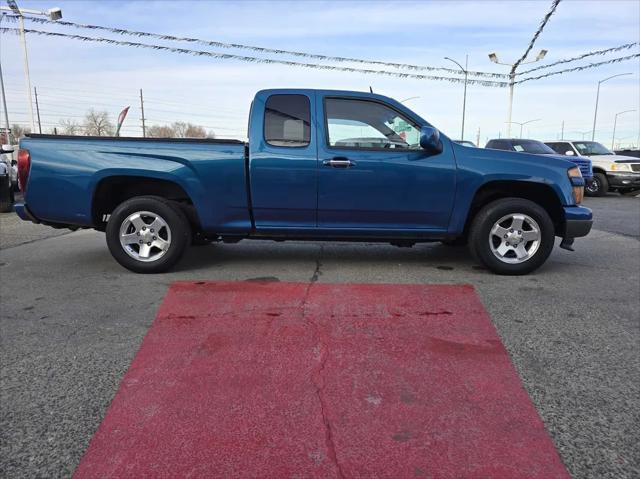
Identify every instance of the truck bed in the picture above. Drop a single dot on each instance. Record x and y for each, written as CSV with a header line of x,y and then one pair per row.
x,y
67,172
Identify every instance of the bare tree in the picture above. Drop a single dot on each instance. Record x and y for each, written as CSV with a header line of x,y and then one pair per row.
x,y
70,127
182,129
18,131
178,129
158,131
97,123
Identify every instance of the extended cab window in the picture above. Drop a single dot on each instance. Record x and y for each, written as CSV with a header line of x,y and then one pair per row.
x,y
287,120
368,125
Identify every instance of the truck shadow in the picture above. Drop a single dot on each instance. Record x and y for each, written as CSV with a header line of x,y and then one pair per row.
x,y
265,253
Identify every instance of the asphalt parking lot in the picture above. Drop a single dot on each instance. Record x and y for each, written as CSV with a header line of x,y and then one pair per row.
x,y
72,319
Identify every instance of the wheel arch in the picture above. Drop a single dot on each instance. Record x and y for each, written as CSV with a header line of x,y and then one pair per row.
x,y
113,190
540,193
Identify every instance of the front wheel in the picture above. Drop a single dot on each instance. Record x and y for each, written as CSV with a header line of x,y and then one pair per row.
x,y
148,234
597,186
512,236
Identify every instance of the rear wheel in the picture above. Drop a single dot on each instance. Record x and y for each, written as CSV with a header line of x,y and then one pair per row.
x,y
148,234
597,186
512,236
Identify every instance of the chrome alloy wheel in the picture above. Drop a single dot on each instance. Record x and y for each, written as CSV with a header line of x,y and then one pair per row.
x,y
515,238
145,236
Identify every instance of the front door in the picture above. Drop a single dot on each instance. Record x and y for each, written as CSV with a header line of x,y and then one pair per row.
x,y
372,173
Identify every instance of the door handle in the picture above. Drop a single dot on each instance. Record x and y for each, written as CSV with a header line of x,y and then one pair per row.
x,y
339,162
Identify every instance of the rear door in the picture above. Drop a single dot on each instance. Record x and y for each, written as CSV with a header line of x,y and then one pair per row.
x,y
283,160
372,173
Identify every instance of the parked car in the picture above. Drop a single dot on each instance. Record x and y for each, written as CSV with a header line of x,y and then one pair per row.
x,y
610,171
6,180
309,172
538,148
465,143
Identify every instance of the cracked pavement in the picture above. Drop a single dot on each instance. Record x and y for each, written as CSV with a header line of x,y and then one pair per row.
x,y
72,320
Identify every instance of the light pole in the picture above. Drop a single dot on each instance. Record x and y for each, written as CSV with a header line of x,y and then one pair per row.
x,y
53,14
615,120
524,123
512,80
582,133
595,113
4,98
464,98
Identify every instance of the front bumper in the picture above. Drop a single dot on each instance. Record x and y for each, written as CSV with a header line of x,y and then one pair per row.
x,y
578,221
624,180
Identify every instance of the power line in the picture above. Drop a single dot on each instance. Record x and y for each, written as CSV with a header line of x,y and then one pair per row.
x,y
212,43
228,56
626,46
546,18
580,68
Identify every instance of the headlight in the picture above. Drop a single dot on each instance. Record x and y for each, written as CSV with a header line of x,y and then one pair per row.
x,y
620,167
577,183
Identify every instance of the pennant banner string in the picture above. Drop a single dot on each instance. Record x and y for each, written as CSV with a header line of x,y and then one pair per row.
x,y
212,43
229,56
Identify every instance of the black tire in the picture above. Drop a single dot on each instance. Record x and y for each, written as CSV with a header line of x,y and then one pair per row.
x,y
598,186
6,198
480,235
177,224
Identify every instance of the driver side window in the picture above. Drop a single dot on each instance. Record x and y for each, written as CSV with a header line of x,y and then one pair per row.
x,y
368,125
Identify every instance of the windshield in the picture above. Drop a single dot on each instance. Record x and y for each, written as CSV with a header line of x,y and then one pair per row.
x,y
532,146
591,148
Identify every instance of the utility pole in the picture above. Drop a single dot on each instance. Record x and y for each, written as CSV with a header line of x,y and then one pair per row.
x,y
562,131
478,138
37,110
144,129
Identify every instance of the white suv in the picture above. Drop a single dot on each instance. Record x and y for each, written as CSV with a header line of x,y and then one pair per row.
x,y
610,171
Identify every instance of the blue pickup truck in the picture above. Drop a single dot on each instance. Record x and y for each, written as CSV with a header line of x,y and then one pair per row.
x,y
319,165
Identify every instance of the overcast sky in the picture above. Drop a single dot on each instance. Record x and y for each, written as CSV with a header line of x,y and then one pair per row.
x,y
73,76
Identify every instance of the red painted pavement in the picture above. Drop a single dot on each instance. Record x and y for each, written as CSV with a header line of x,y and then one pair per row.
x,y
287,380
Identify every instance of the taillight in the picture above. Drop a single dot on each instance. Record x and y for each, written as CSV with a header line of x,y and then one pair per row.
x,y
24,165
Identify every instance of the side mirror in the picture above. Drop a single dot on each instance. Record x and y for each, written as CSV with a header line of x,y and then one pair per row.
x,y
568,153
430,139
